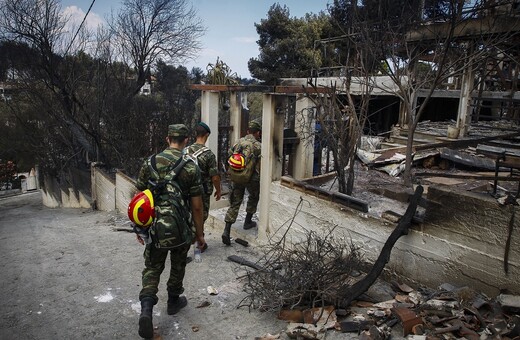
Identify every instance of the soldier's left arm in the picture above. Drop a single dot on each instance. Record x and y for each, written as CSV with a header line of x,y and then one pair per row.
x,y
258,155
197,207
214,175
143,177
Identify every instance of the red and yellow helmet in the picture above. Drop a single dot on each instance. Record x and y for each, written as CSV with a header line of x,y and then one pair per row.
x,y
141,209
237,161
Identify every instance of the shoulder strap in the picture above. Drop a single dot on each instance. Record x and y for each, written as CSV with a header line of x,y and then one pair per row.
x,y
177,167
200,151
173,168
247,144
153,163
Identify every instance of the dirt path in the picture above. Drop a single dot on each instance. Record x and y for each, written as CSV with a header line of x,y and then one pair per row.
x,y
66,274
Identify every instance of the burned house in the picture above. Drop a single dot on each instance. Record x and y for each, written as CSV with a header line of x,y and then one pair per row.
x,y
465,156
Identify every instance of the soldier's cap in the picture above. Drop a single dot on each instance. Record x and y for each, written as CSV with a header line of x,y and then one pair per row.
x,y
205,126
178,130
255,124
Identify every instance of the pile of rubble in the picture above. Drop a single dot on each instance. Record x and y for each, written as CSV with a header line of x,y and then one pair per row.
x,y
422,314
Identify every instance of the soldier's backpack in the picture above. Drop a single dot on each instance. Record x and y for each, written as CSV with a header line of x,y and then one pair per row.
x,y
172,226
195,155
241,162
195,158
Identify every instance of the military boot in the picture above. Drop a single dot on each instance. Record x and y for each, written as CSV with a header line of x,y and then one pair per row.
x,y
176,303
226,236
248,224
145,319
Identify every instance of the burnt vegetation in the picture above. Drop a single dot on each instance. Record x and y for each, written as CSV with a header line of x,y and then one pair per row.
x,y
299,275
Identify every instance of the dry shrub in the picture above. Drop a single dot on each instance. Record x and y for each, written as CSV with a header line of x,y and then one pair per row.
x,y
304,274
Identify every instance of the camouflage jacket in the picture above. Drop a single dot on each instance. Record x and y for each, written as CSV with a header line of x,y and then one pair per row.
x,y
189,178
208,165
257,150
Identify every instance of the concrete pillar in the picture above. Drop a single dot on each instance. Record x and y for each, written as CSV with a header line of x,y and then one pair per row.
x,y
464,114
271,164
304,126
235,116
209,115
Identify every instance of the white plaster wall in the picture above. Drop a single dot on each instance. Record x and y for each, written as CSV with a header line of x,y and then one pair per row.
x,y
105,192
49,200
84,200
125,190
69,199
420,256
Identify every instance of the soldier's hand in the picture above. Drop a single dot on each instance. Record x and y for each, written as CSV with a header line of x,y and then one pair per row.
x,y
217,195
201,243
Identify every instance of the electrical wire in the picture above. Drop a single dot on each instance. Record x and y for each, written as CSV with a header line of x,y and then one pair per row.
x,y
80,25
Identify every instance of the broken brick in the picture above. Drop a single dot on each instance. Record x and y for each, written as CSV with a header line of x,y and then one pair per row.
x,y
292,315
315,315
408,319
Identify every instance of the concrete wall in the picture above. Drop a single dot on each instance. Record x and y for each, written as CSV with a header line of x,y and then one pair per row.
x,y
56,195
108,194
461,241
125,190
112,195
382,85
474,228
104,190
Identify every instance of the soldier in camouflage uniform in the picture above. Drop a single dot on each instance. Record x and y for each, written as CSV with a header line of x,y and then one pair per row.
x,y
189,181
253,187
208,165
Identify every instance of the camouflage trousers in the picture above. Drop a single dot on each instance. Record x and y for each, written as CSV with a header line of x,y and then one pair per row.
x,y
154,261
237,196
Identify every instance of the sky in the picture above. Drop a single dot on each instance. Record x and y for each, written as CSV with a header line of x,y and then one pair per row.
x,y
230,30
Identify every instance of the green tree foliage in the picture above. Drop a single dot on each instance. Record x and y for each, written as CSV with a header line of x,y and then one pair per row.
x,y
286,45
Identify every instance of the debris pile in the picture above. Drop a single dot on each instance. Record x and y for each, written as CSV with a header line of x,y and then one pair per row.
x,y
446,313
490,146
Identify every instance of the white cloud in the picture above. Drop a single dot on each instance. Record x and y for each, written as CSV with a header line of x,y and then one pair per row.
x,y
75,16
245,40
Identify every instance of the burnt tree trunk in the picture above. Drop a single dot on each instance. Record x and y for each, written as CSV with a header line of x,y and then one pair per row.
x,y
401,229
